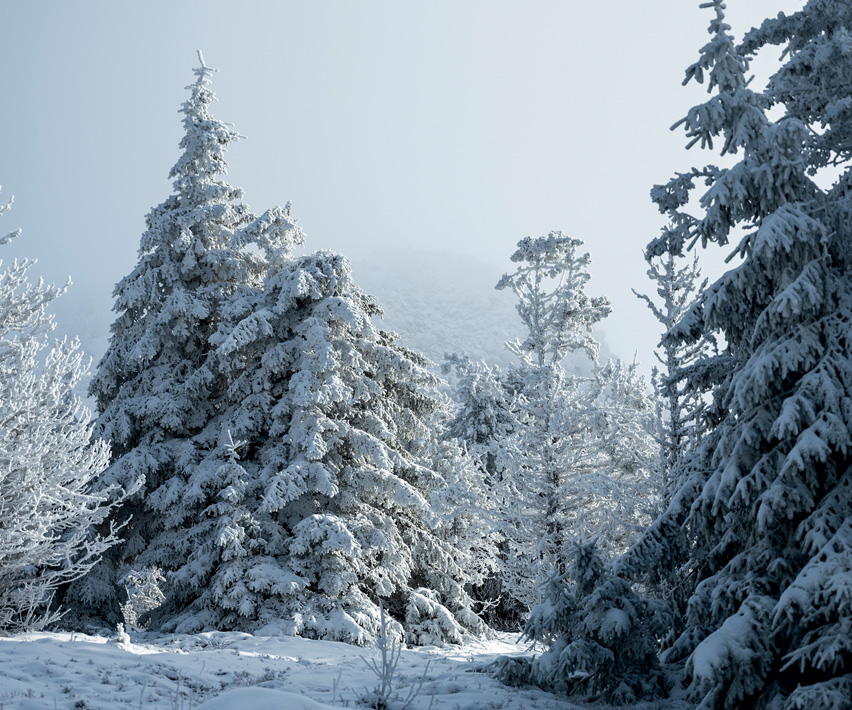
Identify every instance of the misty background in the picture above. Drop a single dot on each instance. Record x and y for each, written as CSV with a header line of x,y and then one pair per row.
x,y
422,140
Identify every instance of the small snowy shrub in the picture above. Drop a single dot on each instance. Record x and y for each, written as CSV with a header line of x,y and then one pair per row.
x,y
144,593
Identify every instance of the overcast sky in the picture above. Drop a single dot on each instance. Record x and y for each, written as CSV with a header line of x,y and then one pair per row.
x,y
449,126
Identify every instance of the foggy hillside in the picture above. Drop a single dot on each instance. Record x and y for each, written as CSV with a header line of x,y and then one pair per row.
x,y
442,304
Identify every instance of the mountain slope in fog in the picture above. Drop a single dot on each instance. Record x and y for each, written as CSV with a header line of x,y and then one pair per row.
x,y
441,303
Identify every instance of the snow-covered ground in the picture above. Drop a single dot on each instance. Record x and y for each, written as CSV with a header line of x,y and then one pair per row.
x,y
233,671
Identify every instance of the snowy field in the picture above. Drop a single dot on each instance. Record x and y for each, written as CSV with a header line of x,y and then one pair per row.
x,y
233,671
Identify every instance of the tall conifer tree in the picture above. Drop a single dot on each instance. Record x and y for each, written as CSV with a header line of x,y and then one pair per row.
x,y
768,492
758,532
285,443
760,527
155,387
321,506
571,474
679,408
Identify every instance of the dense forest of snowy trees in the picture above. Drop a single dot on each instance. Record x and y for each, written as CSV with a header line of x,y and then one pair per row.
x,y
751,557
265,458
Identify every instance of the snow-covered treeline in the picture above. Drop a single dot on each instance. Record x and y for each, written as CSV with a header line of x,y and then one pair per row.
x,y
279,464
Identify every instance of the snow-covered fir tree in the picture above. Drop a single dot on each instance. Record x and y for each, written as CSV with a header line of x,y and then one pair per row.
x,y
604,450
464,516
48,460
562,458
286,443
601,637
485,414
323,507
620,495
678,408
485,421
155,388
552,418
571,475
759,530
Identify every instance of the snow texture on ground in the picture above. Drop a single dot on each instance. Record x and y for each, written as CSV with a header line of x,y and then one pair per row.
x,y
234,671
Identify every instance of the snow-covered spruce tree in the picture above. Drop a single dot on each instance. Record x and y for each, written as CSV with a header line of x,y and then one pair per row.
x,y
620,495
155,388
464,517
678,408
553,437
322,507
762,519
601,637
485,414
484,422
602,427
47,458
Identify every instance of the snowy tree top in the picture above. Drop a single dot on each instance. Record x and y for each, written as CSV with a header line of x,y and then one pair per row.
x,y
559,320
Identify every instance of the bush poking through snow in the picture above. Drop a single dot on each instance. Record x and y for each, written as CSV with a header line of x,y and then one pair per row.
x,y
385,669
144,593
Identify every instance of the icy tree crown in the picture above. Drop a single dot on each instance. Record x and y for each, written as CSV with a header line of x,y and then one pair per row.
x,y
559,316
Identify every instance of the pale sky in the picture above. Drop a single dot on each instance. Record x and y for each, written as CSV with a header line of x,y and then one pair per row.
x,y
449,126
